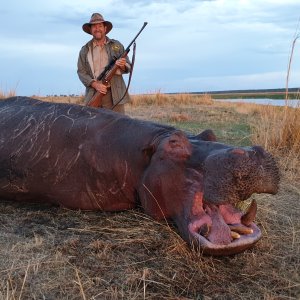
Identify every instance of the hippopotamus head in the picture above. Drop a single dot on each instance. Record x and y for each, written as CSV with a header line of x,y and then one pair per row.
x,y
198,182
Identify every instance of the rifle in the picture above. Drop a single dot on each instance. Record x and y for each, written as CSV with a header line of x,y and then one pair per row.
x,y
110,71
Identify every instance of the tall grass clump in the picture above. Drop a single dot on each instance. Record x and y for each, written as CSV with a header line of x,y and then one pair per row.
x,y
297,35
161,99
278,131
279,128
7,94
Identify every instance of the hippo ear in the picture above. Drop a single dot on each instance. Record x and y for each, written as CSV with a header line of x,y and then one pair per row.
x,y
177,147
148,150
207,135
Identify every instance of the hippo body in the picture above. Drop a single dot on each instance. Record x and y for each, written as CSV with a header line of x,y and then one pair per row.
x,y
90,159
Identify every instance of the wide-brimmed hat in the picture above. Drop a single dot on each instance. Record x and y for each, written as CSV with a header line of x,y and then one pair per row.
x,y
96,18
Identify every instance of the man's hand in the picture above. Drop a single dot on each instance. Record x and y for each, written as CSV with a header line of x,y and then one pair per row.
x,y
121,63
99,87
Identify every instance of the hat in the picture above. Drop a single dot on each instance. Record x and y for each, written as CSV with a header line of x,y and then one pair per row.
x,y
96,18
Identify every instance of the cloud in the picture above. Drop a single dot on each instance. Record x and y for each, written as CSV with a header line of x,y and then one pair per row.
x,y
246,81
186,45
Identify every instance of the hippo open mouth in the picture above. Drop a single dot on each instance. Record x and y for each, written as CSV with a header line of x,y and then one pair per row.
x,y
223,229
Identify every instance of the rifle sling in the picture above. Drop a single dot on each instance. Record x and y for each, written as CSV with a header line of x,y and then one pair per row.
x,y
130,76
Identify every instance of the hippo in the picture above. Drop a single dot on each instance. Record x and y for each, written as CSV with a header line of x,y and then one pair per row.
x,y
85,158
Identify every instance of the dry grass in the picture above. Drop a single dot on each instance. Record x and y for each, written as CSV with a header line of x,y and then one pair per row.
x,y
278,130
158,99
52,253
7,94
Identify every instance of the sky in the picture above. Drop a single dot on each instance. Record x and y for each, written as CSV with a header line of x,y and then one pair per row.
x,y
187,46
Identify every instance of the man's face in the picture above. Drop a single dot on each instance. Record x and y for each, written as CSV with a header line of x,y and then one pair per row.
x,y
98,31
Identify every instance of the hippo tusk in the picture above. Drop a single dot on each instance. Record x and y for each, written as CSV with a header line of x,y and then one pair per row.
x,y
234,235
241,229
249,216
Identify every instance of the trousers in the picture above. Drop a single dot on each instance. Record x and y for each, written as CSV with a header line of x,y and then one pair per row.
x,y
107,102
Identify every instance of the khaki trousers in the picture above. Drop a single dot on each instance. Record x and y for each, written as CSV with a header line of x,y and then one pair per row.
x,y
107,102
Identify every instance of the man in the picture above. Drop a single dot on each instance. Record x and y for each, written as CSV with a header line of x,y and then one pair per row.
x,y
95,56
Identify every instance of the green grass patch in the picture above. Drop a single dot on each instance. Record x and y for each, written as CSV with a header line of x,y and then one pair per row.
x,y
235,132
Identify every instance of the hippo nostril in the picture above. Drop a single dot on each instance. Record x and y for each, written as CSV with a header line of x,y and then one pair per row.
x,y
238,151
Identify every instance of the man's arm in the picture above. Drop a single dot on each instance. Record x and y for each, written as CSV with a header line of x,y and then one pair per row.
x,y
82,70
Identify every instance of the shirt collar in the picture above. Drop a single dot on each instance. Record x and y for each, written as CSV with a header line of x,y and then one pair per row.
x,y
95,43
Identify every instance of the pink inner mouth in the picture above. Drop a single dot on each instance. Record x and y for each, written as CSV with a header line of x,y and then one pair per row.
x,y
221,226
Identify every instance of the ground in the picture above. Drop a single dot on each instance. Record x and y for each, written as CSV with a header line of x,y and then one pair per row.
x,y
49,252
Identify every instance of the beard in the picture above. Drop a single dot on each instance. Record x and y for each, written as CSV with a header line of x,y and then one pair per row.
x,y
98,35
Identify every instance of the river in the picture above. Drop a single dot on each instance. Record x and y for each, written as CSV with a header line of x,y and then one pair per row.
x,y
265,101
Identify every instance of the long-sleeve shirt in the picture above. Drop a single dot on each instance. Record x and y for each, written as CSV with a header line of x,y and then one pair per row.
x,y
88,69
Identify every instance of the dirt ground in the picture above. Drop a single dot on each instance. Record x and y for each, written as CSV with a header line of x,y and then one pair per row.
x,y
49,252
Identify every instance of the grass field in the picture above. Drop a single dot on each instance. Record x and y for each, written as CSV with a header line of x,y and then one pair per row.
x,y
52,253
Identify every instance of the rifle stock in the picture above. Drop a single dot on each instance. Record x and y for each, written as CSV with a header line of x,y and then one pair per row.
x,y
96,100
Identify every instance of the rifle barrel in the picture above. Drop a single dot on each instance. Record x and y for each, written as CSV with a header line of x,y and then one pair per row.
x,y
144,25
111,63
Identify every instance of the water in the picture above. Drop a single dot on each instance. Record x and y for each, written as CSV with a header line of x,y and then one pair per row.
x,y
265,101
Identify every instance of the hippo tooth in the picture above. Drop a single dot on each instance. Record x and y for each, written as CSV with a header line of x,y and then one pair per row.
x,y
234,235
241,229
249,216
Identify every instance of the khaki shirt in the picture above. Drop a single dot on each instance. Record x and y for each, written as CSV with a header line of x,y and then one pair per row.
x,y
99,58
87,73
